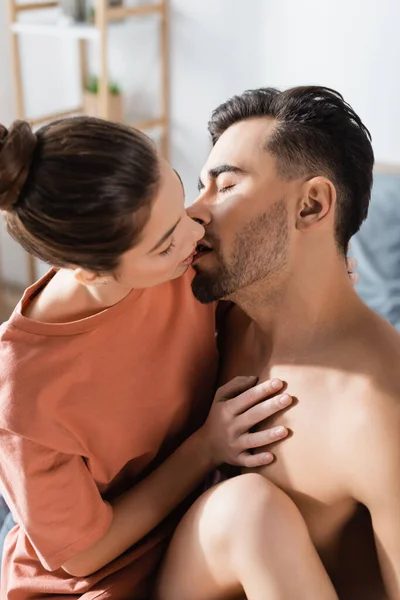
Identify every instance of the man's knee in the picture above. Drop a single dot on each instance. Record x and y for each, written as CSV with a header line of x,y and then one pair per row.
x,y
247,493
245,504
235,505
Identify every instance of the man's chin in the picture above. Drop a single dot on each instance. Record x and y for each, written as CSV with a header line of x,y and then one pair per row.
x,y
204,288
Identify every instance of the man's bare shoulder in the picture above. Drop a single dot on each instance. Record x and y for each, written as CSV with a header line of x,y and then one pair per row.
x,y
374,352
371,428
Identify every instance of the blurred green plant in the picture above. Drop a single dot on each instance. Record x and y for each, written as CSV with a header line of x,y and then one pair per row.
x,y
91,13
92,86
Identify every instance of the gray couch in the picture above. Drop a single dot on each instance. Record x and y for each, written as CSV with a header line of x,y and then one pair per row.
x,y
377,249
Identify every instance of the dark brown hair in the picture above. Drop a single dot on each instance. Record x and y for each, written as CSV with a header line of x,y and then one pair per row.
x,y
317,133
77,192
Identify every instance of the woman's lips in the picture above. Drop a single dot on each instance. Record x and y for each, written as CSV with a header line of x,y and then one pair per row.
x,y
200,253
188,261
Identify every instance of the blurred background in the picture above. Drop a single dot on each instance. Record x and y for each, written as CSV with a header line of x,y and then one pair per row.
x,y
167,68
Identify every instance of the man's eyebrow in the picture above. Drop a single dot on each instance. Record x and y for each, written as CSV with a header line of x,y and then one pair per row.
x,y
166,236
217,171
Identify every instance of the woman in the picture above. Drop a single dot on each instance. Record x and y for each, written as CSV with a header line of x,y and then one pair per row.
x,y
107,369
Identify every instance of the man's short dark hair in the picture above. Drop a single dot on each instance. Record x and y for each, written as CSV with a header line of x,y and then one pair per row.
x,y
317,133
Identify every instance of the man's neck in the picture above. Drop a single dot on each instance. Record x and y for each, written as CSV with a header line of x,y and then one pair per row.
x,y
314,304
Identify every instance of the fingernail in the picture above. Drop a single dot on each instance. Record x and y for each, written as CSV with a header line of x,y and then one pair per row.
x,y
276,383
268,457
285,400
280,430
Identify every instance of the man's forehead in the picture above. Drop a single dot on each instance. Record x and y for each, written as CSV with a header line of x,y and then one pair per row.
x,y
241,145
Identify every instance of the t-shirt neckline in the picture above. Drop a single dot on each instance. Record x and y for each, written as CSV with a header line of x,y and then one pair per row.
x,y
19,321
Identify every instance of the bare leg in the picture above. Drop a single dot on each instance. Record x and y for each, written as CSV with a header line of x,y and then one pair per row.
x,y
243,536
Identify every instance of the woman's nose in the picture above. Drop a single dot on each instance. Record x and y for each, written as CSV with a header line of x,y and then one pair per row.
x,y
200,231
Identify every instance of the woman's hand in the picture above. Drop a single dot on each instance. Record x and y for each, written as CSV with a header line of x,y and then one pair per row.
x,y
238,406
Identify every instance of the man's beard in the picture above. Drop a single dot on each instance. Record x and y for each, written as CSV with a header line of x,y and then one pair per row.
x,y
259,252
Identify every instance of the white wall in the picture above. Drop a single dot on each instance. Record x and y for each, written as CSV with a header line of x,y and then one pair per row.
x,y
11,258
217,50
222,47
350,45
6,98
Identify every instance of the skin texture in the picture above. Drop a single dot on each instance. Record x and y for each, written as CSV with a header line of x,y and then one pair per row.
x,y
297,315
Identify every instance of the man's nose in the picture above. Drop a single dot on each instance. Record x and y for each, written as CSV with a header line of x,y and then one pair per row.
x,y
199,211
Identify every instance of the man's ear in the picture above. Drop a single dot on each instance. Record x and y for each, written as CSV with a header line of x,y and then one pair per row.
x,y
317,202
88,278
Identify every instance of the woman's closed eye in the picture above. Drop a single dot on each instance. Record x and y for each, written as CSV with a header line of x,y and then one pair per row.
x,y
169,249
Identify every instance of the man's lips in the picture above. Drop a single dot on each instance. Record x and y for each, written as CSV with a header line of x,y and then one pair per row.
x,y
202,249
203,246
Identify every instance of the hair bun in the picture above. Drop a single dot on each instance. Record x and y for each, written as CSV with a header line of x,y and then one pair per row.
x,y
16,150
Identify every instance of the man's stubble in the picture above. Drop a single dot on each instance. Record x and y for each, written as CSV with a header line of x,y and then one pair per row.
x,y
259,253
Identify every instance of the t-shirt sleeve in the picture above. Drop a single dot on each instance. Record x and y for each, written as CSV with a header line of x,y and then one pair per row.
x,y
53,497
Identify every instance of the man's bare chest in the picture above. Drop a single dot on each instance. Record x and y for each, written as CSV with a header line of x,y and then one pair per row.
x,y
308,462
312,464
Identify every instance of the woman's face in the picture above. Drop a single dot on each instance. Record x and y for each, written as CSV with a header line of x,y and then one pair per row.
x,y
168,241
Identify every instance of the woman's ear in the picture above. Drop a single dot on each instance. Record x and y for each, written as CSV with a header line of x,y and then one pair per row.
x,y
317,202
88,278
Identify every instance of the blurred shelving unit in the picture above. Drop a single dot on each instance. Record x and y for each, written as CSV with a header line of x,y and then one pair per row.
x,y
83,33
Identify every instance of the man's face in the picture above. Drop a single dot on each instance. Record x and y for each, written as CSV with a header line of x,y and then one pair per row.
x,y
243,207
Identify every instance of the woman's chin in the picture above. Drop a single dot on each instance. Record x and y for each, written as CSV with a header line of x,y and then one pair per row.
x,y
181,270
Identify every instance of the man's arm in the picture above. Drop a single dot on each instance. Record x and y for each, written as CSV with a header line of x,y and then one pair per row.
x,y
376,481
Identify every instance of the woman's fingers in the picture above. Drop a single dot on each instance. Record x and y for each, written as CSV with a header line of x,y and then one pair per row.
x,y
261,411
255,395
263,438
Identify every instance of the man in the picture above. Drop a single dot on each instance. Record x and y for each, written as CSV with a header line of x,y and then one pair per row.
x,y
285,187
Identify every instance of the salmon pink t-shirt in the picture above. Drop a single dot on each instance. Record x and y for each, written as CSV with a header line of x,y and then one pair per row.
x,y
87,409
